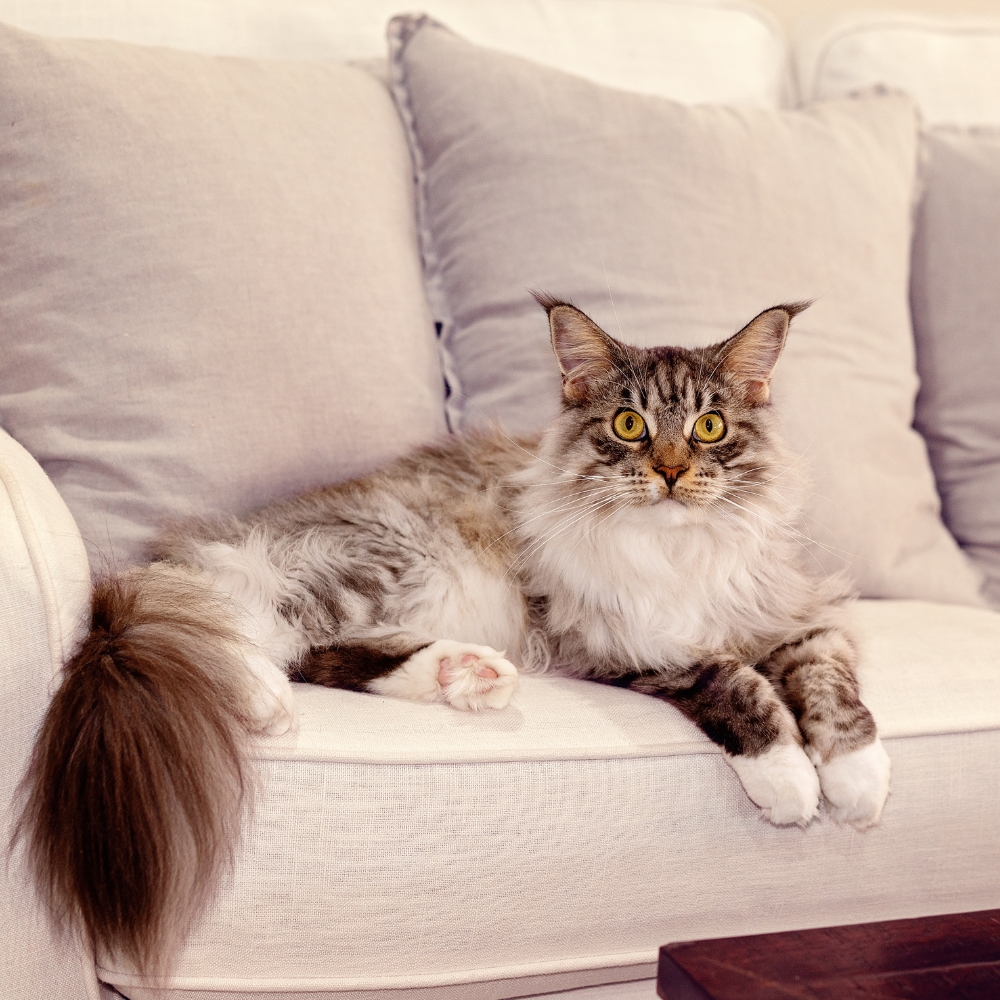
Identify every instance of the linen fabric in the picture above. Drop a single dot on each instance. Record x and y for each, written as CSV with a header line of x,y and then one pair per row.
x,y
690,50
210,291
45,588
947,63
955,296
498,851
676,225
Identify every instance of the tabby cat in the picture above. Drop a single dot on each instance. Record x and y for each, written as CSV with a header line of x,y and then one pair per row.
x,y
646,540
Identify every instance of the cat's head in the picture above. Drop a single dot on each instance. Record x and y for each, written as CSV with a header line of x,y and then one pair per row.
x,y
668,424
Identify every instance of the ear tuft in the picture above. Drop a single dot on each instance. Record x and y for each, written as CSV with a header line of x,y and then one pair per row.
x,y
546,301
582,348
750,355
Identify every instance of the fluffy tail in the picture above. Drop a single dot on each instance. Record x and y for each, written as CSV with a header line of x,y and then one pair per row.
x,y
137,782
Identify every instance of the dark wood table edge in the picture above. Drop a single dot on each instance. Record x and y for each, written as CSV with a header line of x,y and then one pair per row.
x,y
976,934
681,985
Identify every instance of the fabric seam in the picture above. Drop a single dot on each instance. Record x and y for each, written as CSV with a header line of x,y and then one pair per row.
x,y
427,979
399,33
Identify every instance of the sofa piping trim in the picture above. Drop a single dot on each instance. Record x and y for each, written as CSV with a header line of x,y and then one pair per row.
x,y
388,982
265,753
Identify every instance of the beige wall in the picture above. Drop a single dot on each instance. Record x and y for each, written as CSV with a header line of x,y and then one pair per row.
x,y
790,12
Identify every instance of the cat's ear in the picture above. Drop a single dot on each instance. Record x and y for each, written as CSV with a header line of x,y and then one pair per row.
x,y
584,351
749,356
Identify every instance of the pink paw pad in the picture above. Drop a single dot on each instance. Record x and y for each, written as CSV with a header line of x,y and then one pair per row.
x,y
447,669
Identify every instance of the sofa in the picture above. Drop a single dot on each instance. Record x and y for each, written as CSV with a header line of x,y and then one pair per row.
x,y
248,249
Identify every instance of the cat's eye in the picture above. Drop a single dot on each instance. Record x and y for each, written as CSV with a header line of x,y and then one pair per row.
x,y
709,427
628,425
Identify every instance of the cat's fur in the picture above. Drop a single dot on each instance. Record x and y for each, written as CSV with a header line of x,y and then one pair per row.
x,y
666,564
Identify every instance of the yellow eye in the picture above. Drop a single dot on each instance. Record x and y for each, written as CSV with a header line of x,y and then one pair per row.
x,y
709,427
628,425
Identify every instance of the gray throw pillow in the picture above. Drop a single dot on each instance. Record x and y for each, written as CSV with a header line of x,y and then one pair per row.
x,y
676,224
955,294
210,289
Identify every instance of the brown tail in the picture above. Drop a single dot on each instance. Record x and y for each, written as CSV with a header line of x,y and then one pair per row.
x,y
137,782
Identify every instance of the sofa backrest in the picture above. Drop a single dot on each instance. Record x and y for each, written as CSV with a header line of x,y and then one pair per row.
x,y
947,64
688,50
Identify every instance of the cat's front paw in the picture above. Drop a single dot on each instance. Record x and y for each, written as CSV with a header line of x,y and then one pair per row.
x,y
782,781
856,785
473,677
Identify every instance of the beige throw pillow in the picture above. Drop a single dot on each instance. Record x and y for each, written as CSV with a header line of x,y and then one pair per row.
x,y
675,225
210,291
955,297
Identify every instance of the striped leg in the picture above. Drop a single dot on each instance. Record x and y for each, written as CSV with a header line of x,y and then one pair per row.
x,y
815,676
739,710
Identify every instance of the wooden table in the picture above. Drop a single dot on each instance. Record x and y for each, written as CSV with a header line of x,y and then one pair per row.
x,y
951,957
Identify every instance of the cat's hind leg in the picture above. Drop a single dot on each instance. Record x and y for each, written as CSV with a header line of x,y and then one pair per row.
x,y
272,644
816,677
464,675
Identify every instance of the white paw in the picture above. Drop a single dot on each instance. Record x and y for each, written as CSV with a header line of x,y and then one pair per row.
x,y
782,781
461,674
474,677
271,702
856,785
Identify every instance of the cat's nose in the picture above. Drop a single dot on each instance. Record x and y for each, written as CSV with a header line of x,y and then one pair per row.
x,y
671,473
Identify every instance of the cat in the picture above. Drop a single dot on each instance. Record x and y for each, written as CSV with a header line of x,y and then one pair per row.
x,y
647,539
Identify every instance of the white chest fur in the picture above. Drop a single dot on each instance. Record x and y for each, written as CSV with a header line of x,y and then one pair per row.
x,y
660,586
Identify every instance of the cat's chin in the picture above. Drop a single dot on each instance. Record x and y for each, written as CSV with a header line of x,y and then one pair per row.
x,y
673,513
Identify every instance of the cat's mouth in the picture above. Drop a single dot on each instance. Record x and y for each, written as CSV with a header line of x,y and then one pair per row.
x,y
668,484
690,498
681,497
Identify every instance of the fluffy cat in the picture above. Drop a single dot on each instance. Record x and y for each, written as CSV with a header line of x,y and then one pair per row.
x,y
647,540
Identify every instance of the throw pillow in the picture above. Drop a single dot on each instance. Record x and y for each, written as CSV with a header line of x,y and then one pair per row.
x,y
676,224
955,295
210,291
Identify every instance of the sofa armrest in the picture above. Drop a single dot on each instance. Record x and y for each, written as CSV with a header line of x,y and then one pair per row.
x,y
44,603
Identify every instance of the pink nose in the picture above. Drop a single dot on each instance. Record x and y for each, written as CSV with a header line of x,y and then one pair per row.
x,y
671,473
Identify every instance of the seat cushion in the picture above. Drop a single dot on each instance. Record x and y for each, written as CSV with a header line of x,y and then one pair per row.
x,y
415,851
210,291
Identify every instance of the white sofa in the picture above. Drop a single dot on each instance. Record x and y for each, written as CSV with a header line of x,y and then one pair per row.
x,y
415,852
